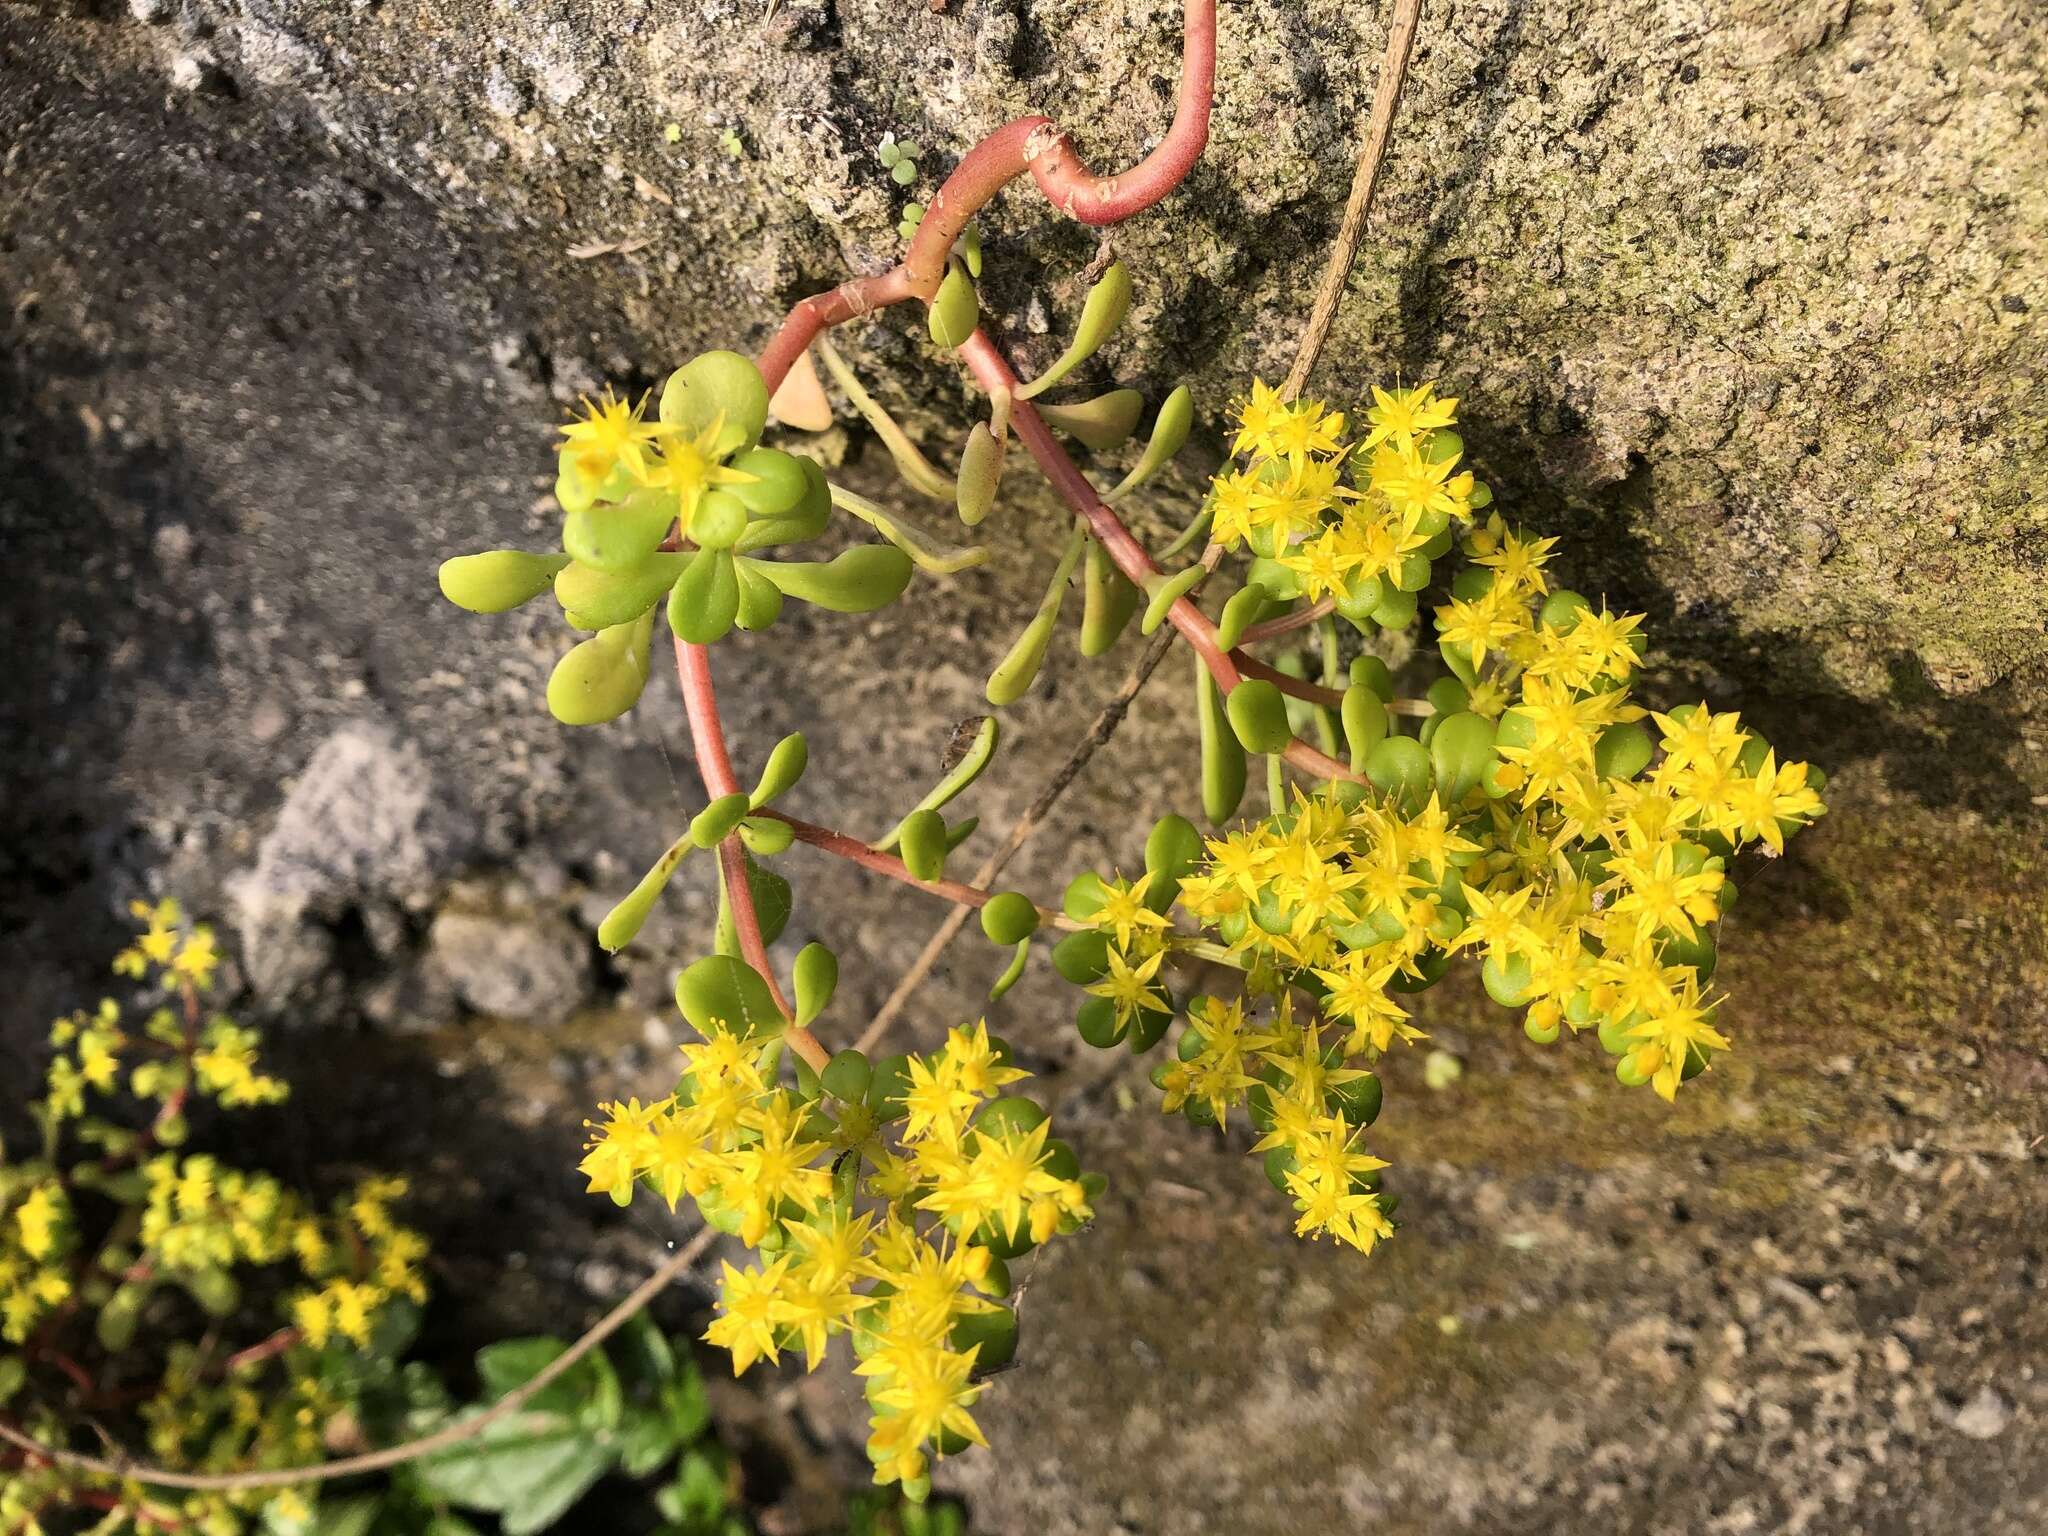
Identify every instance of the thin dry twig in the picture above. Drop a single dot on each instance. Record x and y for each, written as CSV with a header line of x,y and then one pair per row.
x,y
1393,71
1104,726
125,1470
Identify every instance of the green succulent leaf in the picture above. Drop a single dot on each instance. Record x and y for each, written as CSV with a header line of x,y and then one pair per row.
x,y
857,580
1365,723
978,753
766,835
816,976
1223,761
1014,674
619,536
1162,592
498,580
1370,672
1173,848
1013,972
722,388
805,520
603,677
595,599
922,839
955,311
1009,918
760,599
1103,423
1461,751
785,765
723,990
777,485
1169,435
1103,311
1244,609
981,472
927,553
715,823
1108,599
1399,767
625,920
1258,715
705,603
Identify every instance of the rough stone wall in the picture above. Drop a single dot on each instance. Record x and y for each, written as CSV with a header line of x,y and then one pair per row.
x,y
1744,300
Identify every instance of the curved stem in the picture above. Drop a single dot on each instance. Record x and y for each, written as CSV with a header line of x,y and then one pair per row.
x,y
1033,144
1300,688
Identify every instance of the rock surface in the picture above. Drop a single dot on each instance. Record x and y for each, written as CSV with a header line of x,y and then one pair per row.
x,y
1744,301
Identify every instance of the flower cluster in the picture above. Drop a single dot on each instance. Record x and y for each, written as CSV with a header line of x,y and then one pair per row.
x,y
1309,1106
883,1201
1537,818
1357,522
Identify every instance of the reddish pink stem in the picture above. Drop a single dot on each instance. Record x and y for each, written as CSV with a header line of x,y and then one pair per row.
x,y
1287,623
714,767
1033,144
276,1344
993,372
858,852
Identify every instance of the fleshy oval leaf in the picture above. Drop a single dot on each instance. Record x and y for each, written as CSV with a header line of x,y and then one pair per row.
x,y
1108,599
1162,592
618,536
1223,765
1101,313
601,678
1258,715
594,599
706,602
1169,435
722,991
717,387
1009,918
1460,752
1014,674
816,977
785,765
777,485
712,825
923,843
625,920
955,310
498,580
981,472
1364,716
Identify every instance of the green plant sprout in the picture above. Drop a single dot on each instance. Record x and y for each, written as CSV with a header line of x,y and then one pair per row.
x,y
899,158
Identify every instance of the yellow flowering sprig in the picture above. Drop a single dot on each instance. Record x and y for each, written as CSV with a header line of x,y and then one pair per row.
x,y
1537,819
79,1287
883,1201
